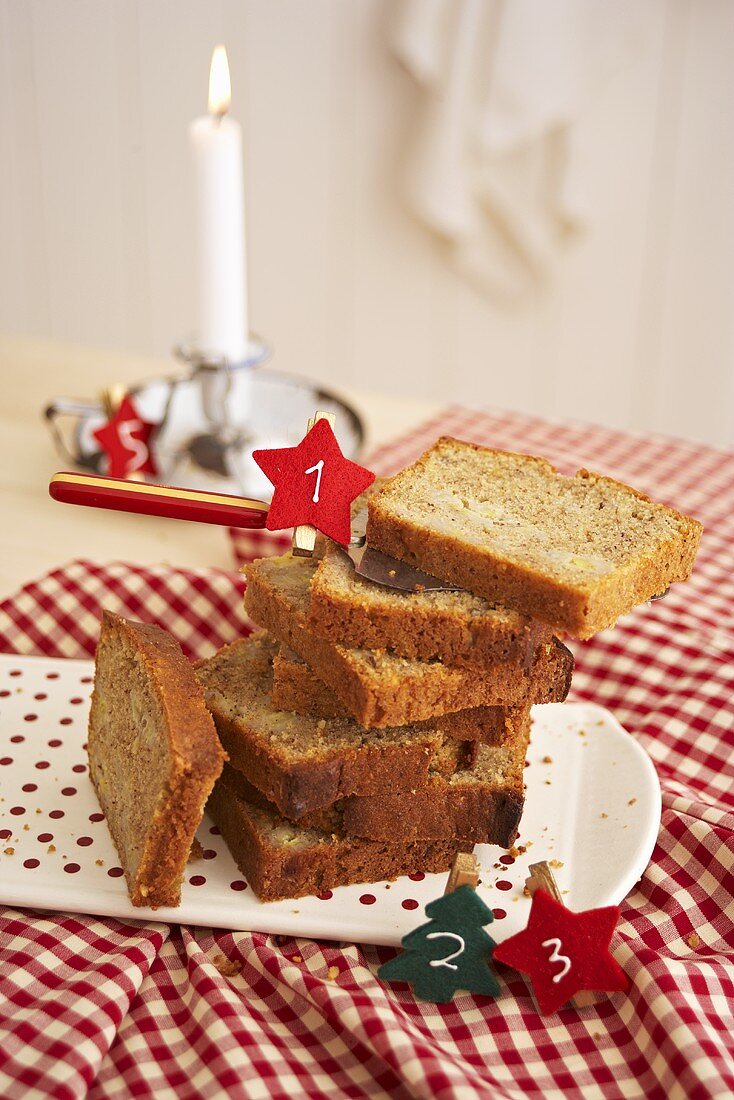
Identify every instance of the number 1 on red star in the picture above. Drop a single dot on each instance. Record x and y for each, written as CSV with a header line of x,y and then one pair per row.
x,y
316,469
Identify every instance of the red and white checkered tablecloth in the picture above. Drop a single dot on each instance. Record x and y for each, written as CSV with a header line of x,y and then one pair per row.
x,y
99,1008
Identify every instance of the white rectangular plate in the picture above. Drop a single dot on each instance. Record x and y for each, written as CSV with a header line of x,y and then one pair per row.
x,y
592,809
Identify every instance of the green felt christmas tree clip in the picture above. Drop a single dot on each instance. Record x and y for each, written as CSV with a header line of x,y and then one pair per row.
x,y
450,952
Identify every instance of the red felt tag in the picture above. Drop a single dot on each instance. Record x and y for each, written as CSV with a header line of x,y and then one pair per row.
x,y
314,483
564,952
125,439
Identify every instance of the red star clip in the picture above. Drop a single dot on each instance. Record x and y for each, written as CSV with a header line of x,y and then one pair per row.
x,y
125,439
314,483
564,952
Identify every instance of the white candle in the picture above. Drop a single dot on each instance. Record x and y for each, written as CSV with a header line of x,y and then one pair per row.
x,y
216,145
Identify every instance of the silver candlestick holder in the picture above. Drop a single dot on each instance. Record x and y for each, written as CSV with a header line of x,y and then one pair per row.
x,y
226,403
209,418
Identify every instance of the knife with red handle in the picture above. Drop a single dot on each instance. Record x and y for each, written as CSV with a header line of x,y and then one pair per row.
x,y
226,510
168,501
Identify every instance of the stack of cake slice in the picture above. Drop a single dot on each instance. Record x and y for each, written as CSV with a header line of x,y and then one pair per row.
x,y
371,732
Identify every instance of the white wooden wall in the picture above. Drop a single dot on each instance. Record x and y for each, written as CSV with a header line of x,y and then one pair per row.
x,y
95,242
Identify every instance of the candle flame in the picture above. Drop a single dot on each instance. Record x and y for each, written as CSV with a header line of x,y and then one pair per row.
x,y
220,90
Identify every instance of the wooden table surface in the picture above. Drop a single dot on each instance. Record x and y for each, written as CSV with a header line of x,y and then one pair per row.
x,y
39,534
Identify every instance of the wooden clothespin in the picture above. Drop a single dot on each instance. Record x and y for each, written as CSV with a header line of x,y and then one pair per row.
x,y
464,872
304,536
112,397
542,877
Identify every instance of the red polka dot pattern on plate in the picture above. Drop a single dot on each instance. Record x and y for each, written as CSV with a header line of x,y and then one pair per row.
x,y
417,877
238,884
65,721
79,768
368,899
115,872
327,895
503,884
40,696
18,739
45,838
68,791
41,764
84,841
30,717
215,831
208,853
5,760
54,743
508,860
499,914
56,814
5,833
52,675
410,903
197,880
16,811
31,863
96,817
71,868
4,693
76,701
19,672
28,788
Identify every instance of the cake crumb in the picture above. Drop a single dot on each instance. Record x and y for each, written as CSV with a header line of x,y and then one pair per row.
x,y
596,1036
547,782
51,848
9,851
332,973
582,733
555,863
547,760
603,815
694,940
226,967
297,958
632,802
26,827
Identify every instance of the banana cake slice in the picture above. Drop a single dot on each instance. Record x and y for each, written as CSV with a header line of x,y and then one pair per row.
x,y
457,628
382,689
577,552
282,860
154,755
297,688
302,763
481,801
